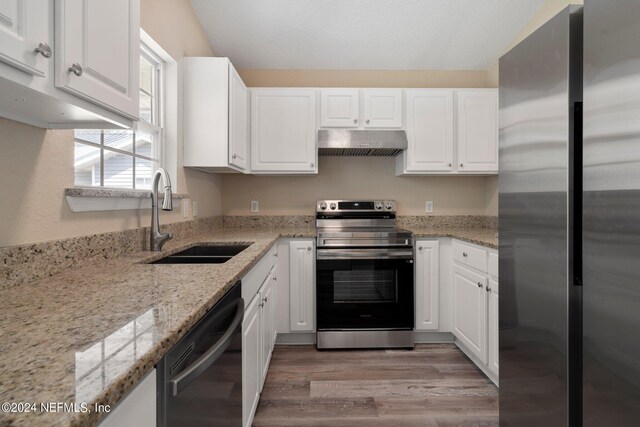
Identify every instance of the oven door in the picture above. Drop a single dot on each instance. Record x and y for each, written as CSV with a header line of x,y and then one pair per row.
x,y
364,289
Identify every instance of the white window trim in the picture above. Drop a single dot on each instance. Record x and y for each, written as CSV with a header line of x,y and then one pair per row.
x,y
87,200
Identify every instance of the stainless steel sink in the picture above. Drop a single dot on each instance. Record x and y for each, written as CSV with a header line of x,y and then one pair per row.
x,y
203,255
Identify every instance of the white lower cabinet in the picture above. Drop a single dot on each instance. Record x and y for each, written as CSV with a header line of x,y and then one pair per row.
x,y
427,285
258,331
251,363
475,304
138,408
301,286
494,331
470,310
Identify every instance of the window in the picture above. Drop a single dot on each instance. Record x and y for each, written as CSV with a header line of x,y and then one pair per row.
x,y
126,158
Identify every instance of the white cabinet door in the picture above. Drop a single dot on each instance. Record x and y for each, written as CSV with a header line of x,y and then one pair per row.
x,y
238,120
430,130
339,108
477,130
493,328
251,361
283,131
266,326
301,286
427,285
138,408
470,311
26,25
99,40
382,108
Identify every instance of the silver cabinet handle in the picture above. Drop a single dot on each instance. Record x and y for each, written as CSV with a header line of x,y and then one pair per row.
x,y
265,299
419,248
44,50
308,248
234,157
76,69
464,254
275,255
261,304
367,121
480,285
488,289
461,165
312,164
355,121
275,278
450,164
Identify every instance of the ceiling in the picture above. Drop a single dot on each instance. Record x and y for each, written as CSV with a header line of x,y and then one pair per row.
x,y
363,34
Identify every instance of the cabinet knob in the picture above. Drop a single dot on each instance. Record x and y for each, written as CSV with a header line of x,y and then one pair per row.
x,y
76,69
312,164
464,254
275,278
450,164
308,248
480,285
419,248
261,304
461,165
275,255
355,121
44,50
367,121
234,157
488,289
265,299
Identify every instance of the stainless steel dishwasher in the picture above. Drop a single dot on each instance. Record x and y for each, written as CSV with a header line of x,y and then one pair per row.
x,y
200,378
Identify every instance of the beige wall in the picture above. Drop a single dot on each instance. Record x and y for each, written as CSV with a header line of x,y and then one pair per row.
x,y
353,177
366,78
36,165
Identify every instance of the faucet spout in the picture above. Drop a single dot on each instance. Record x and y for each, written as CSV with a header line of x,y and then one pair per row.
x,y
158,239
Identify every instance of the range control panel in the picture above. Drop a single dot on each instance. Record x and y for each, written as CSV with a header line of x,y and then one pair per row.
x,y
356,206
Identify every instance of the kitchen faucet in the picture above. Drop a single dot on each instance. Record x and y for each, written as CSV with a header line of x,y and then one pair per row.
x,y
158,239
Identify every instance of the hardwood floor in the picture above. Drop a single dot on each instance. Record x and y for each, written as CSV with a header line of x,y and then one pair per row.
x,y
433,385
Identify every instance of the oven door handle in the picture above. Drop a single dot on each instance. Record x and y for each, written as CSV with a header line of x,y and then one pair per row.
x,y
350,254
191,372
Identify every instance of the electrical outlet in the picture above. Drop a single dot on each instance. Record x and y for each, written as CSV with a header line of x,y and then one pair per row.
x,y
255,206
429,206
194,208
185,208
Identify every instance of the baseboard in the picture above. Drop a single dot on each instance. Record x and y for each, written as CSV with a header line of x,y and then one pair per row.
x,y
433,337
296,338
484,368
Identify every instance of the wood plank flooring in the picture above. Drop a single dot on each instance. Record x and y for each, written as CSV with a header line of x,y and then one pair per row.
x,y
433,385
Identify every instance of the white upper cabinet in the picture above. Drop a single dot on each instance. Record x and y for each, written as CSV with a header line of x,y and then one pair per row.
x,y
26,35
478,130
215,115
340,108
450,131
382,108
429,130
238,120
98,52
283,131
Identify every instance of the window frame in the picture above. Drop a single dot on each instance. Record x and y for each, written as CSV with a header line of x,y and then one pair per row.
x,y
155,128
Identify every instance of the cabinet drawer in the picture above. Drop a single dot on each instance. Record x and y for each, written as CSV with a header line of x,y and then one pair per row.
x,y
493,264
470,256
252,281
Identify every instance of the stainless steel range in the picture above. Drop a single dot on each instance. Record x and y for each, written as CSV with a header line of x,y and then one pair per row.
x,y
364,276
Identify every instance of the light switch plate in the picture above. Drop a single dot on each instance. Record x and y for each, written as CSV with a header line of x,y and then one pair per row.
x,y
429,206
255,207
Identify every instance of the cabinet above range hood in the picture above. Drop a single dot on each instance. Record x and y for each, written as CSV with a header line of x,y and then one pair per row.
x,y
356,142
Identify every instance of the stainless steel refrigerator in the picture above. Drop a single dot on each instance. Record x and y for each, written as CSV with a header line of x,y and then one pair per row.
x,y
570,220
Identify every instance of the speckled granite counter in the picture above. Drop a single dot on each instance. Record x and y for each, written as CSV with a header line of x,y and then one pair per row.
x,y
92,333
481,236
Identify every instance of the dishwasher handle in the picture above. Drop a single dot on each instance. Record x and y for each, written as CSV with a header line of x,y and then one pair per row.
x,y
191,372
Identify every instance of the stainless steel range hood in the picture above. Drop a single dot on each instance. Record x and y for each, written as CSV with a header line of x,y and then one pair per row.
x,y
345,142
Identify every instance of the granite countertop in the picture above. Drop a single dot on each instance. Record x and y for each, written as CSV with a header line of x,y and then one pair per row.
x,y
481,236
92,333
